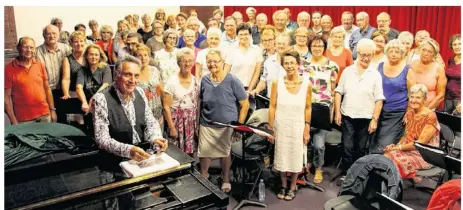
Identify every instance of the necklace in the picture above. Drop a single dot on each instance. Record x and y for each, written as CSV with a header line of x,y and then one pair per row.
x,y
292,84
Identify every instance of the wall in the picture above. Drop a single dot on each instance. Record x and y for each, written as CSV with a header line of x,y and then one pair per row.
x,y
30,21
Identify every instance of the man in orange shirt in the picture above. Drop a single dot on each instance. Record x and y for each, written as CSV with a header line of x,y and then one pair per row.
x,y
28,96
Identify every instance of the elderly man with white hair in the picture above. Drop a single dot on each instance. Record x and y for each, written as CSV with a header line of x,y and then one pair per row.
x,y
347,20
384,21
193,24
280,21
51,54
238,17
303,19
365,31
256,30
213,42
362,88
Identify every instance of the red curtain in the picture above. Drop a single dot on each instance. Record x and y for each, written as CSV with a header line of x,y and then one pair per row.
x,y
441,21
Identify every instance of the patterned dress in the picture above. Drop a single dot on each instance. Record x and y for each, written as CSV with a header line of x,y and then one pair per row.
x,y
185,119
153,93
410,161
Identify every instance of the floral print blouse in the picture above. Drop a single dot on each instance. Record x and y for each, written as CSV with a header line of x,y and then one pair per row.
x,y
321,77
152,90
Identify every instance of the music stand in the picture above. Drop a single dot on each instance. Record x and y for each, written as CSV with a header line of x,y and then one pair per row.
x,y
248,129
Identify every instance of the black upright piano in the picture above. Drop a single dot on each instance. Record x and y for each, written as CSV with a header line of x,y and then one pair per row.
x,y
80,181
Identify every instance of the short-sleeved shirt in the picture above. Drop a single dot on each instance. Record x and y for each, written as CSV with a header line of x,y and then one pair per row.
x,y
356,36
167,63
201,59
93,81
244,64
145,35
178,92
220,103
360,92
27,92
53,62
321,77
154,45
181,42
272,71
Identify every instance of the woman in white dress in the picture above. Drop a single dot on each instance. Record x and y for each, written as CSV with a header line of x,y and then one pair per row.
x,y
289,116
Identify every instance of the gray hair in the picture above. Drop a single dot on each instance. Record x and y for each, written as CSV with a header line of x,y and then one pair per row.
x,y
284,35
303,14
189,31
261,15
418,88
167,33
214,31
250,9
338,29
215,52
126,59
92,22
363,14
406,36
182,52
145,15
366,44
395,43
54,21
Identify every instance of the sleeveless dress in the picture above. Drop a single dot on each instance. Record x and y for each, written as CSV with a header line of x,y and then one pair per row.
x,y
75,67
152,91
289,127
428,79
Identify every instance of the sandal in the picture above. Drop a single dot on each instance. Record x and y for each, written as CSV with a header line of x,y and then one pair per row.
x,y
318,178
282,193
226,187
307,174
290,195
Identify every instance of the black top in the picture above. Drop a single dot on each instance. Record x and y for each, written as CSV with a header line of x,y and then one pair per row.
x,y
145,35
75,67
93,81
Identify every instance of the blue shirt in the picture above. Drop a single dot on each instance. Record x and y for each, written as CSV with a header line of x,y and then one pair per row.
x,y
395,89
198,41
356,36
220,103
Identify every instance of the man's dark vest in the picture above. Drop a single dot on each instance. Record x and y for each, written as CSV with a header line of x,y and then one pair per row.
x,y
119,126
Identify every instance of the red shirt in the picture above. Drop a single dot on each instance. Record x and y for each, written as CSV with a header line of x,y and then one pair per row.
x,y
27,91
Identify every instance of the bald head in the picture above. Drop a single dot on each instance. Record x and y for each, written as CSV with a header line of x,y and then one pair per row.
x,y
327,23
363,20
384,21
50,34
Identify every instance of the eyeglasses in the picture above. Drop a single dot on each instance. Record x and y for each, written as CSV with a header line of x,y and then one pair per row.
x,y
105,32
317,46
171,38
290,63
365,55
187,61
301,36
267,40
383,21
213,62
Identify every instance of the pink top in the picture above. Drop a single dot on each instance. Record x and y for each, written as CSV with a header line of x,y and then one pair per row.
x,y
429,79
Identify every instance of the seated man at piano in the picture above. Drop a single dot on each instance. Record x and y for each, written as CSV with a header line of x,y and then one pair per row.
x,y
122,118
421,125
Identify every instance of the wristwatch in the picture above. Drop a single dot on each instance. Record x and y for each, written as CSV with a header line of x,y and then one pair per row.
x,y
374,118
52,109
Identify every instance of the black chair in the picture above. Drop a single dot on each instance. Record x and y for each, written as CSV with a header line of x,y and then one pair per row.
x,y
447,140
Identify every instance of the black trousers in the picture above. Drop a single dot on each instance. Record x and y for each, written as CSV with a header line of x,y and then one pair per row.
x,y
63,107
355,139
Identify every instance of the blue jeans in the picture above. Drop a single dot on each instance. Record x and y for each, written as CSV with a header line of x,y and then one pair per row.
x,y
316,153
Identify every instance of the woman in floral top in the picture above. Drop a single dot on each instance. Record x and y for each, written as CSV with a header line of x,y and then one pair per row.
x,y
150,82
322,72
181,103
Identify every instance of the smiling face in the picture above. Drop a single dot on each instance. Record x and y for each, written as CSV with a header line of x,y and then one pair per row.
x,y
280,21
212,24
122,27
408,45
347,21
127,78
303,21
51,34
251,15
213,40
214,63
268,42
189,39
420,37
317,47
290,65
93,56
326,23
383,22
144,57
364,57
181,21
106,35
158,29
230,27
362,22
131,43
244,36
282,44
78,44
380,43
146,20
427,52
337,39
171,40
261,21
186,63
27,49
301,38
416,100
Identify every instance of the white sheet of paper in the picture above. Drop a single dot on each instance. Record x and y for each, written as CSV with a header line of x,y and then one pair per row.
x,y
156,163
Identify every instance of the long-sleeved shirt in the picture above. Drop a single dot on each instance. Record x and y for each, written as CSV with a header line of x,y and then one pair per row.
x,y
101,124
356,36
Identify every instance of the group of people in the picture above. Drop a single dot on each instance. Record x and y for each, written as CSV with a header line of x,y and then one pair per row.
x,y
170,79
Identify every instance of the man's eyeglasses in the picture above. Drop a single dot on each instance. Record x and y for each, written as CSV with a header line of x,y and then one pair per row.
x,y
213,62
365,55
187,61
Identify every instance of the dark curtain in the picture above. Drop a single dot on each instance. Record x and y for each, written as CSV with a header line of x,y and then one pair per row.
x,y
441,21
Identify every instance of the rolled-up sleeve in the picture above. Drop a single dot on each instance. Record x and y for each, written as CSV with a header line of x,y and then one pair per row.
x,y
101,123
378,87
